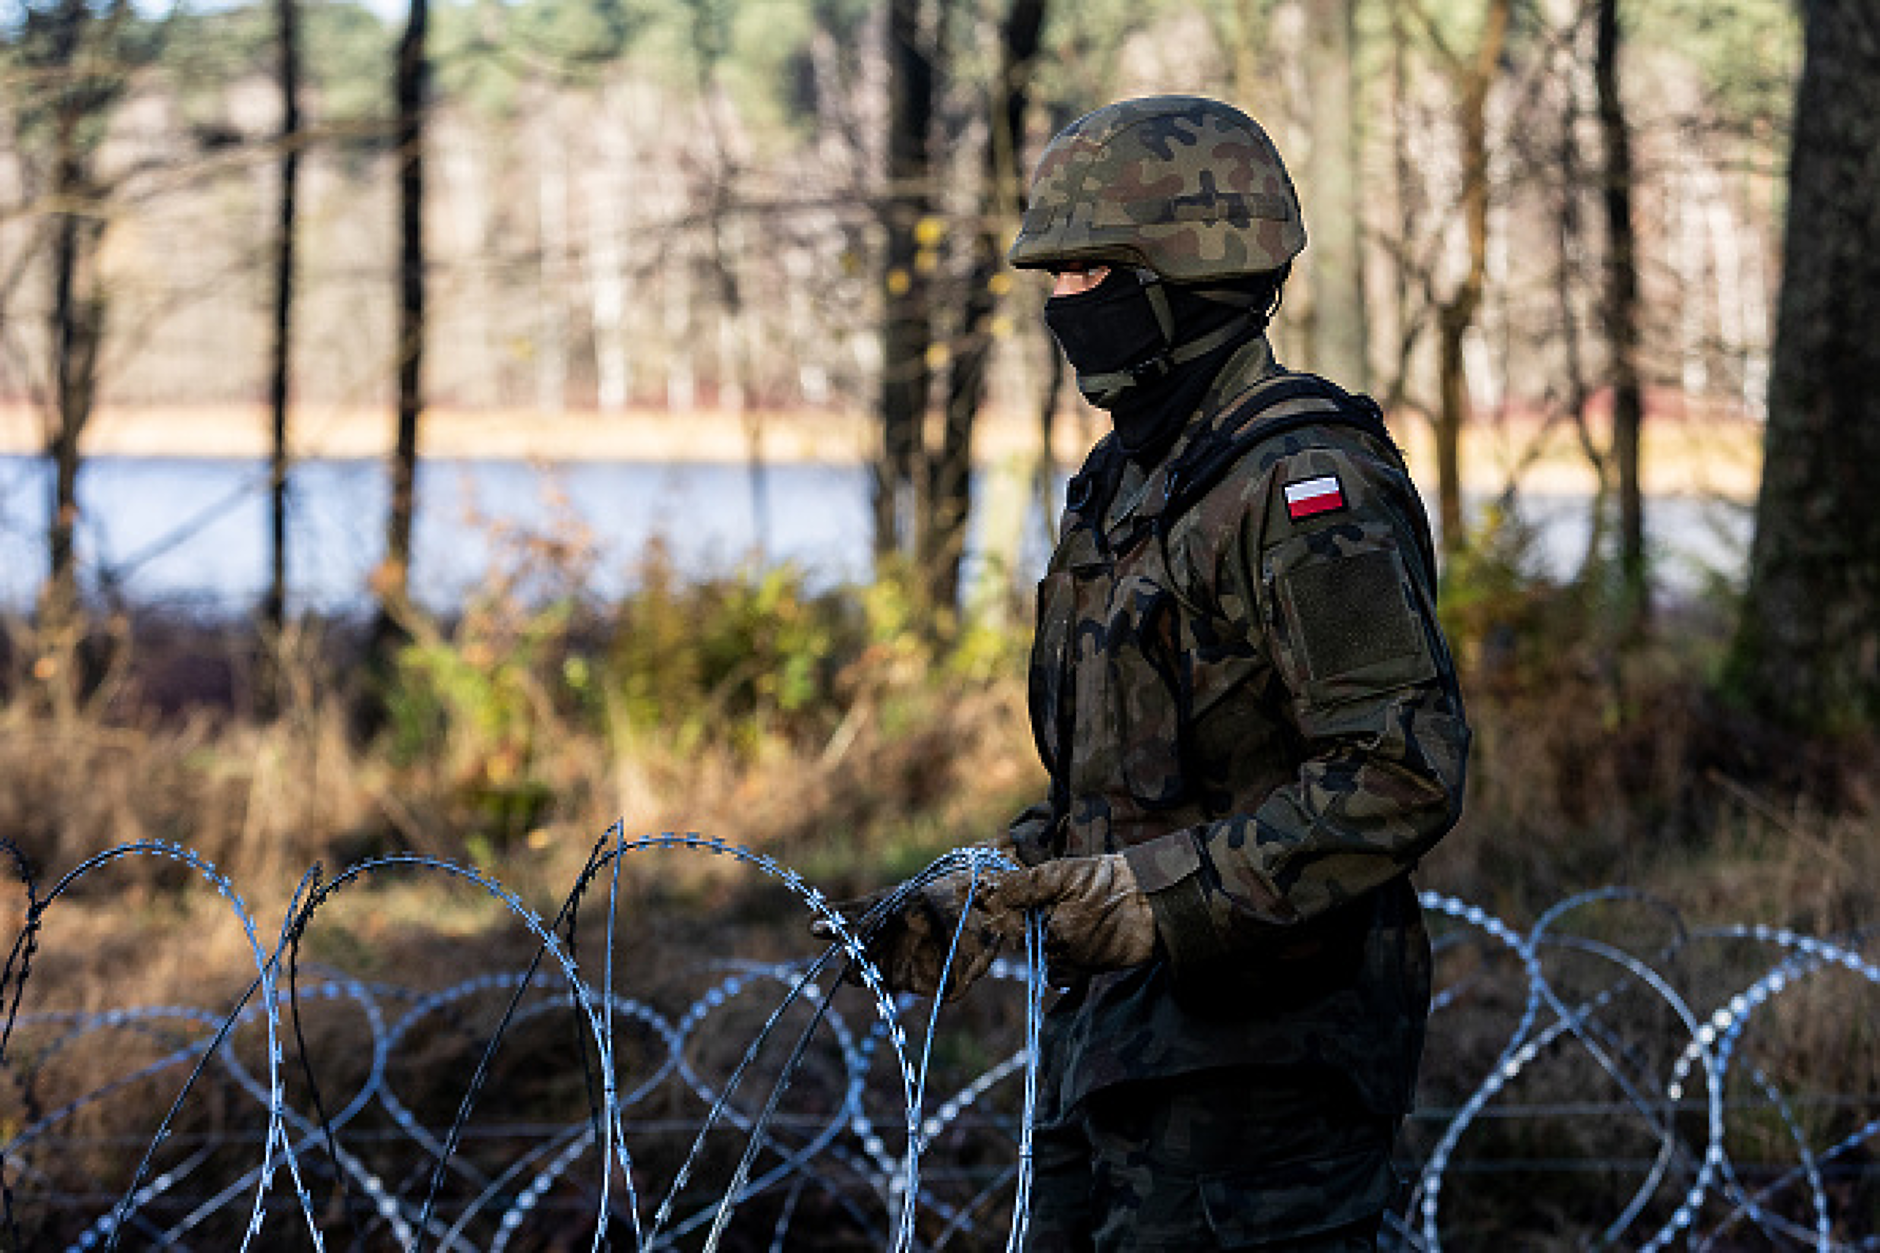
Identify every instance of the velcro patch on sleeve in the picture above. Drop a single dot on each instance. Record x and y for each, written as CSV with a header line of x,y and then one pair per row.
x,y
1307,498
1351,616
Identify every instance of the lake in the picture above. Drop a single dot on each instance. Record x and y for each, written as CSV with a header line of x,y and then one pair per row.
x,y
192,532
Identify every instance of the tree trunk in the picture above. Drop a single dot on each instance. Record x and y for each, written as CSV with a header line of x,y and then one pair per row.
x,y
735,374
1807,653
1621,320
1253,80
395,577
1458,313
74,332
465,185
554,265
607,217
1339,325
287,17
1452,413
949,494
1570,247
907,315
678,283
76,328
1403,184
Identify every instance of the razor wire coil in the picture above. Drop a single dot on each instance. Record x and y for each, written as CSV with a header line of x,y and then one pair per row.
x,y
871,1154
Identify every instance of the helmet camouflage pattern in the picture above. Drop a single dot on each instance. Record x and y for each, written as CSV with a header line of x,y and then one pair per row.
x,y
1188,187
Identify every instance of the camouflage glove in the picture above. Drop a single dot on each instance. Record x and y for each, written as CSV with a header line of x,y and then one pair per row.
x,y
1097,918
910,943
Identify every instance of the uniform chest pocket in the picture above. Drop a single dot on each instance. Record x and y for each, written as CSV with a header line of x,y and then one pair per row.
x,y
1147,673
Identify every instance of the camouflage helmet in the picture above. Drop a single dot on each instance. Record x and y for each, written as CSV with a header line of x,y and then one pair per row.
x,y
1185,186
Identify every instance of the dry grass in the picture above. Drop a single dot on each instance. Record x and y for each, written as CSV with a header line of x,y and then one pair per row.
x,y
1583,775
1588,771
909,767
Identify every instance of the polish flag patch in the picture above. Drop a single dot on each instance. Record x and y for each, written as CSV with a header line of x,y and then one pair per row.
x,y
1314,496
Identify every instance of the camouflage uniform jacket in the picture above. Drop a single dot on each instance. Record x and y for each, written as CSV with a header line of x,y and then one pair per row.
x,y
1238,681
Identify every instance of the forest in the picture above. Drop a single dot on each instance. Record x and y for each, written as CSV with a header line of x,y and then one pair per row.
x,y
1609,266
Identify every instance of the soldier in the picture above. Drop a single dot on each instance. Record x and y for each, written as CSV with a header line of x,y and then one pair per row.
x,y
1250,721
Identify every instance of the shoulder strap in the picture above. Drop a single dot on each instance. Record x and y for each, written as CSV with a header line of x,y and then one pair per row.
x,y
1205,461
1212,454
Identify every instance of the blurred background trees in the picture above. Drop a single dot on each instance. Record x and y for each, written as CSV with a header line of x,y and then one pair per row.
x,y
1534,224
69,65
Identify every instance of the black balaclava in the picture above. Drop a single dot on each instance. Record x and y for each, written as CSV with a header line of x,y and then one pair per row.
x,y
1147,350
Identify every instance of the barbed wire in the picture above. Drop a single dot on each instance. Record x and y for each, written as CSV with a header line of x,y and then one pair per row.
x,y
799,1103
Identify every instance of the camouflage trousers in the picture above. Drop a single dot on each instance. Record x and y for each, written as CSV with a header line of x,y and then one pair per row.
x,y
1237,1158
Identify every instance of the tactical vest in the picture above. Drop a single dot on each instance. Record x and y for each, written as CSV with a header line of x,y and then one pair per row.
x,y
1162,700
1210,454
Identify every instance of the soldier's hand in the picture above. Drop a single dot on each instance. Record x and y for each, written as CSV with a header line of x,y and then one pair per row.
x,y
909,932
1097,918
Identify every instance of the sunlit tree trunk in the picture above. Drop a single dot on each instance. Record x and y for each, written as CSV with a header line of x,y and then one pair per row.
x,y
1456,317
608,207
1333,197
1250,76
726,241
1688,227
677,284
734,363
949,494
466,171
1403,189
554,265
1807,653
907,315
